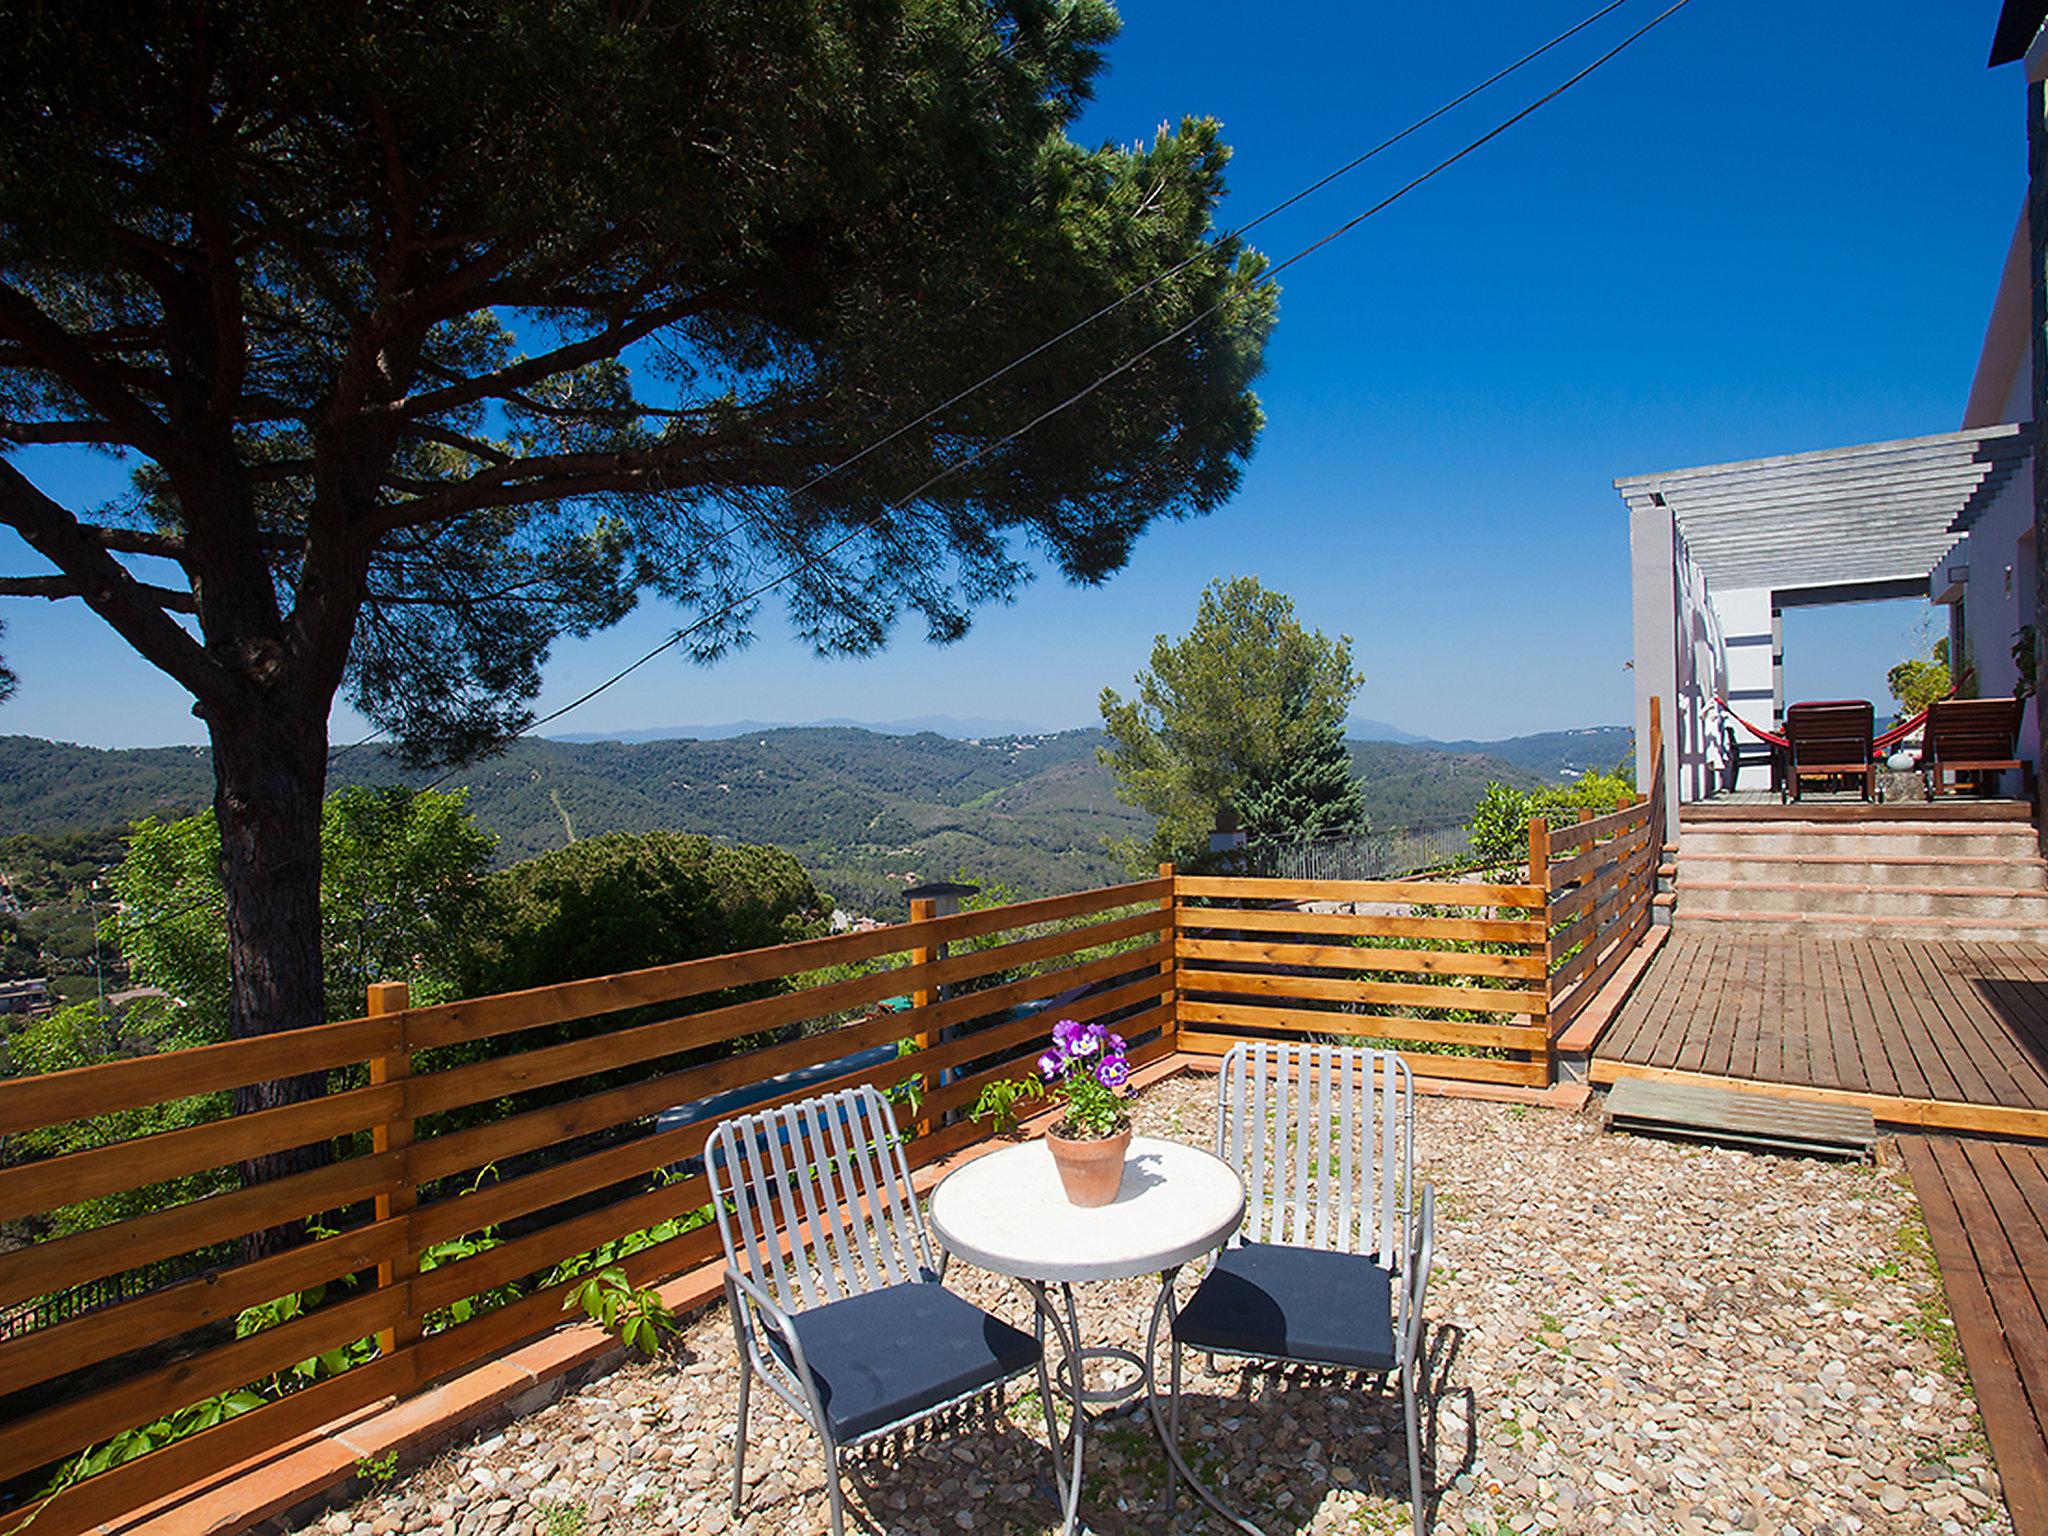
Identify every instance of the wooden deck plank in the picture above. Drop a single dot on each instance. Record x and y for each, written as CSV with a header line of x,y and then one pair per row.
x,y
2013,1071
1906,1020
2027,1167
1670,1008
1916,970
1745,1040
2013,982
1879,1003
1702,1007
2009,1419
2014,1309
1844,1025
1840,1063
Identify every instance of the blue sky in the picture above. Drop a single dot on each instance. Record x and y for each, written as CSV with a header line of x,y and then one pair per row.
x,y
1765,228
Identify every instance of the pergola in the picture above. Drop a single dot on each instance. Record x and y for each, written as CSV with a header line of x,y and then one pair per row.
x,y
1719,551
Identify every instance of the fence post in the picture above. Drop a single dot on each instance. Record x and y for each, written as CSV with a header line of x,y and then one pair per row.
x,y
923,909
1170,905
1539,876
395,1135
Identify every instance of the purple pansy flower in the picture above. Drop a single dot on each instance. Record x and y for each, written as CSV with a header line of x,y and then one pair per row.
x,y
1113,1072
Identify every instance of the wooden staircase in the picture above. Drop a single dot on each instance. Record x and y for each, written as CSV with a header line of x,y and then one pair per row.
x,y
1963,870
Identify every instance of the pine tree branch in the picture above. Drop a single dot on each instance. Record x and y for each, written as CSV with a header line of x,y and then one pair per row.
x,y
107,587
57,588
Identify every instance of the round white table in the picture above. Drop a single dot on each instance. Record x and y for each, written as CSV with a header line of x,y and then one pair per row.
x,y
1006,1212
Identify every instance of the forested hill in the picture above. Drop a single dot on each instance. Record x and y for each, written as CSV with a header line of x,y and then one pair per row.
x,y
866,813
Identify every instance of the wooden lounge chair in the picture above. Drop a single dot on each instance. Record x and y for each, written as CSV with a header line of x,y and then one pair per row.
x,y
1830,740
1974,737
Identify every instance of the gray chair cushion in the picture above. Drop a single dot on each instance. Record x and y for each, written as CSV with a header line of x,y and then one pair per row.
x,y
1306,1304
893,1353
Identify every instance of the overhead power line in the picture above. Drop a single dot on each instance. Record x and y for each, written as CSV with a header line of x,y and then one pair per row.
x,y
1207,250
983,450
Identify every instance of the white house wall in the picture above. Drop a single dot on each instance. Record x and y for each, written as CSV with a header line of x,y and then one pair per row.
x,y
1702,667
1749,642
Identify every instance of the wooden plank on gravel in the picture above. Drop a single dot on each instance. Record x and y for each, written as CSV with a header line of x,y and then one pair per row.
x,y
1748,1119
2009,1419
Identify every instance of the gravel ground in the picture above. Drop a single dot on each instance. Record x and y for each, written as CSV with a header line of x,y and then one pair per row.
x,y
1625,1335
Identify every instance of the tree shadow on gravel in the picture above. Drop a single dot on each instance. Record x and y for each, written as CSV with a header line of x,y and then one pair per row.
x,y
1272,1409
976,1440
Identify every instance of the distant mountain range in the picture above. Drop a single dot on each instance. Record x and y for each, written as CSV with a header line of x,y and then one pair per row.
x,y
1565,751
969,729
868,812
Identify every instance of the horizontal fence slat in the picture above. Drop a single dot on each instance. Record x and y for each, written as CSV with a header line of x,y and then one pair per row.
x,y
1572,903
973,1005
86,1505
491,1333
978,963
79,1093
1582,866
36,1439
1572,835
1413,994
459,1151
1281,991
211,1297
1344,957
81,1256
1569,1006
501,1076
29,1188
472,1018
1444,893
1486,930
1535,1074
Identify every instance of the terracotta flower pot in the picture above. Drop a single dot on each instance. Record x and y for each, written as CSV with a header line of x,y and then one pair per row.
x,y
1091,1171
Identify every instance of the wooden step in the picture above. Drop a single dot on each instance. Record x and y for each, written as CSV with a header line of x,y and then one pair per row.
x,y
1766,1122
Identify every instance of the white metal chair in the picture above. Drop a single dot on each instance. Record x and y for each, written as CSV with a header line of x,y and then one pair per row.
x,y
835,1283
1332,1263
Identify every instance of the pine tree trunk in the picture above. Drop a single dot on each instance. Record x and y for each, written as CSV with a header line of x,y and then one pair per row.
x,y
269,775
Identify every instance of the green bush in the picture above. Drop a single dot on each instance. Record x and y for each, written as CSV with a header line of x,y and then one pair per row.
x,y
631,900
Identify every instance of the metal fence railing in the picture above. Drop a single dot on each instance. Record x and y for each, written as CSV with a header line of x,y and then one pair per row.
x,y
1363,856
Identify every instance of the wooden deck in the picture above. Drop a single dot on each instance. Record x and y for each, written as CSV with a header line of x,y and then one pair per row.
x,y
1940,1035
1985,1204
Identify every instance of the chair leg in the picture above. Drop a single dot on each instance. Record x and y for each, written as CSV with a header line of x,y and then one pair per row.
x,y
739,1444
1416,1495
1172,1425
835,1499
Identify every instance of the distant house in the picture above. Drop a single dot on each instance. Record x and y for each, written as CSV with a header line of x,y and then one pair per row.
x,y
1719,552
25,996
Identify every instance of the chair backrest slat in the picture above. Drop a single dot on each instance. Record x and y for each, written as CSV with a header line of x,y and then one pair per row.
x,y
858,1201
1346,1181
814,1199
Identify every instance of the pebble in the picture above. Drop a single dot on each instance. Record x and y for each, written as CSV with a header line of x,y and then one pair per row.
x,y
1628,1336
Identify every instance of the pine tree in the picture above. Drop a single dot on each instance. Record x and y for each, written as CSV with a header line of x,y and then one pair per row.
x,y
1310,793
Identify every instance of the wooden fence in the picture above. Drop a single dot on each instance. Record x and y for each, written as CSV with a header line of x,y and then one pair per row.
x,y
564,1160
483,1148
1418,964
